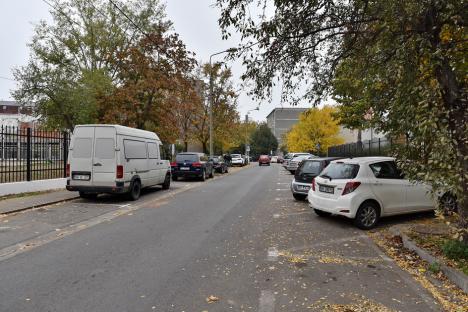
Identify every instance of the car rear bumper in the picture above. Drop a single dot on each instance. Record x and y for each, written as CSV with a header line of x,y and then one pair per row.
x,y
297,187
344,205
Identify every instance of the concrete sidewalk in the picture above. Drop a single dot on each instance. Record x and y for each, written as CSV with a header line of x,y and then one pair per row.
x,y
27,202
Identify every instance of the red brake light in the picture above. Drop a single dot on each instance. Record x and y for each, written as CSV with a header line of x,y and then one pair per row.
x,y
67,172
196,164
173,164
120,173
350,187
313,184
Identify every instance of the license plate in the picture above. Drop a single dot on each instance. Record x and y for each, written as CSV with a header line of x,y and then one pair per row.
x,y
84,177
184,168
326,189
303,188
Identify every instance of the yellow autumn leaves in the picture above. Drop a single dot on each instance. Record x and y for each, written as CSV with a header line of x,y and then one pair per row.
x,y
315,132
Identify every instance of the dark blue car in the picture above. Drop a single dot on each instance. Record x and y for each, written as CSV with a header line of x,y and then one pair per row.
x,y
192,165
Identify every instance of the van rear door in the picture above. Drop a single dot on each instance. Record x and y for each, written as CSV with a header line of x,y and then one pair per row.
x,y
104,158
80,156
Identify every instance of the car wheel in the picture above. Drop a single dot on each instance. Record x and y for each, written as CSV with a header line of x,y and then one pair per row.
x,y
299,196
321,213
135,190
448,204
367,216
175,178
211,174
167,182
88,195
226,170
203,176
292,171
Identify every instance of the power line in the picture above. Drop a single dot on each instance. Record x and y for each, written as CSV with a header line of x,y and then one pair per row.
x,y
6,78
128,18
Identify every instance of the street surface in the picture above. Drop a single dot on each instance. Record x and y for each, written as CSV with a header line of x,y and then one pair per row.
x,y
241,239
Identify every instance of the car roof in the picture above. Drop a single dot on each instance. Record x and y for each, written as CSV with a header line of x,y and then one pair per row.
x,y
323,158
364,160
191,153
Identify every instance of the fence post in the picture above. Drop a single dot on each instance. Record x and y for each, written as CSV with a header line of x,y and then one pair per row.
x,y
65,153
28,154
379,146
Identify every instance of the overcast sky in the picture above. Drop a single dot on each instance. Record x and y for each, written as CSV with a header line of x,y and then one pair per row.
x,y
195,21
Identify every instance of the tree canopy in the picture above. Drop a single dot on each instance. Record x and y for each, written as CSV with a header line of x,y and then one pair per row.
x,y
263,142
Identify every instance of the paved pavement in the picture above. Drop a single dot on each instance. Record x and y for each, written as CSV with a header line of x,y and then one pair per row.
x,y
241,239
16,204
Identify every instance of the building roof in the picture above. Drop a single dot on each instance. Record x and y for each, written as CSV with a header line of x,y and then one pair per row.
x,y
301,109
9,103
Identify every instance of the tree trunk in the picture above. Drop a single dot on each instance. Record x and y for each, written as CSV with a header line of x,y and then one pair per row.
x,y
185,146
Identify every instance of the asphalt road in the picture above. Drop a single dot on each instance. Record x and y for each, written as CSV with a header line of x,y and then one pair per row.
x,y
240,238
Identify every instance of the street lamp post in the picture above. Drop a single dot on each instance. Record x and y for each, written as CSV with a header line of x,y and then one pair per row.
x,y
247,151
211,96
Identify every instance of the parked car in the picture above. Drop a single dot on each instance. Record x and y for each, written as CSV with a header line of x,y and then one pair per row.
x,y
305,173
280,159
264,160
290,156
366,189
274,159
115,159
219,165
192,165
237,160
294,163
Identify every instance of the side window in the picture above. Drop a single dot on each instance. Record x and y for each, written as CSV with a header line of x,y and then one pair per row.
x,y
105,148
153,151
82,148
203,158
135,149
385,170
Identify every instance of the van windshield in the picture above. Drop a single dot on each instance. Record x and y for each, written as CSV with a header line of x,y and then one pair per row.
x,y
187,158
340,171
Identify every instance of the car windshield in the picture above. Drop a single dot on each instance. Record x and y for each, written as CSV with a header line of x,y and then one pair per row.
x,y
187,158
340,171
311,167
235,155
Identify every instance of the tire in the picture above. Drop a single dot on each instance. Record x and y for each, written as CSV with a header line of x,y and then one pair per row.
x,y
300,197
88,195
321,213
203,176
367,216
175,178
167,182
135,190
448,204
259,164
211,174
292,171
226,170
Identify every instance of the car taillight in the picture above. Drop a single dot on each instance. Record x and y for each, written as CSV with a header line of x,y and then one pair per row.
x,y
196,164
68,170
173,164
313,184
350,187
120,173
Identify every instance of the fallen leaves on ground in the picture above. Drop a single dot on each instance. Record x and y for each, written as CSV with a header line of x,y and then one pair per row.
x,y
359,304
212,299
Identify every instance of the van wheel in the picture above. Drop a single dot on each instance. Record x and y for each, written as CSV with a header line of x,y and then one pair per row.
x,y
167,182
367,216
135,190
88,195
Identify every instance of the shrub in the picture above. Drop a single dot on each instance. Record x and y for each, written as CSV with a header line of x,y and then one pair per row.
x,y
455,250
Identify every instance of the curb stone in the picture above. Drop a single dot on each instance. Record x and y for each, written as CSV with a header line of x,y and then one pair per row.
x,y
454,275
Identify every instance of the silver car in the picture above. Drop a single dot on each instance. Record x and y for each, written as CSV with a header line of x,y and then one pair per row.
x,y
294,163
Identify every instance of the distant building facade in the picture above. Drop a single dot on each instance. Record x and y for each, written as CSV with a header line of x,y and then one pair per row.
x,y
281,120
13,115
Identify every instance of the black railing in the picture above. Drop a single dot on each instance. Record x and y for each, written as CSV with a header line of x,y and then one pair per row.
x,y
28,154
375,147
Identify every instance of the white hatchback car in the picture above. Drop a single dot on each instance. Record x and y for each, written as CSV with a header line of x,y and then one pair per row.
x,y
365,189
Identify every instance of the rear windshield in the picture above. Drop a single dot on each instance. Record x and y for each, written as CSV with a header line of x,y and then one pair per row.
x,y
235,155
82,148
340,171
313,167
187,158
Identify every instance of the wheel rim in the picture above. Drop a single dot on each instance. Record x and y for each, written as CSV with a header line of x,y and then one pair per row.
x,y
449,203
136,189
368,216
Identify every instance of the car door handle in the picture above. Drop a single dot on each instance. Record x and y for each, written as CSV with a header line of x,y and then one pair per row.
x,y
97,164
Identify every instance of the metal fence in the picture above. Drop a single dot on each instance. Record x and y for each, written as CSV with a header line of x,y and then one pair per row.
x,y
28,154
375,147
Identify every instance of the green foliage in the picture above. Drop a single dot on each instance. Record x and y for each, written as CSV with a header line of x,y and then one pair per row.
x,y
434,267
455,250
263,141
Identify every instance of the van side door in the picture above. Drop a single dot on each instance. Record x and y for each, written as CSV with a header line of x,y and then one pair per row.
x,y
136,159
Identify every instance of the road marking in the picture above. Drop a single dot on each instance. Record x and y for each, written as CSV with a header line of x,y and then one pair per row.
x,y
286,189
276,216
272,254
266,302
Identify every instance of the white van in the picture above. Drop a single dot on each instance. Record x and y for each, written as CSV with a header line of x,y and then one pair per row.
x,y
115,159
